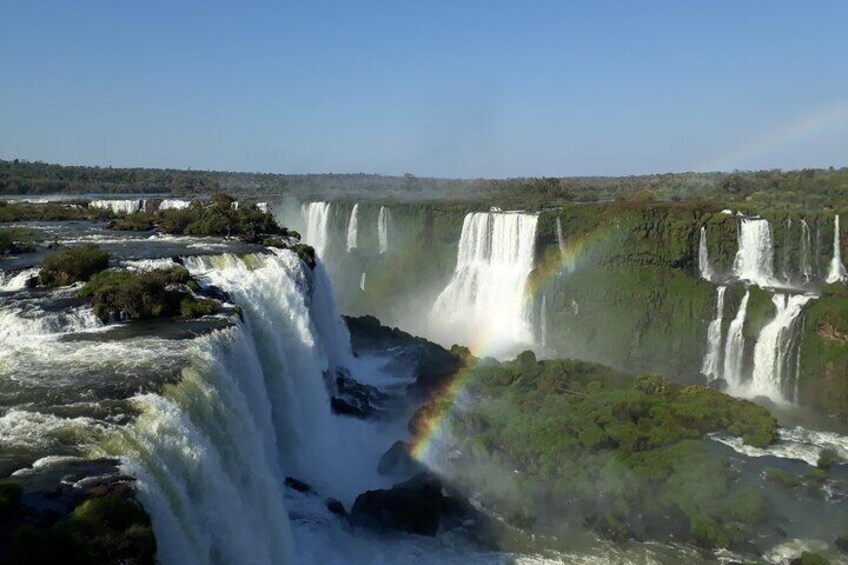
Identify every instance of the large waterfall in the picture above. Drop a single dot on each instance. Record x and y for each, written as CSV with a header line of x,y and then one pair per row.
x,y
806,250
704,256
484,304
316,215
836,272
734,349
773,348
712,360
252,407
353,228
383,219
755,257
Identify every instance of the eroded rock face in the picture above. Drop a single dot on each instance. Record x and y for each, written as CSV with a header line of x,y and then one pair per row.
x,y
414,506
356,399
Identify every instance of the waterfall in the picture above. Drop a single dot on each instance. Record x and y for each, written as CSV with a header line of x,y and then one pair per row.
x,y
836,273
787,243
712,360
173,204
486,294
806,248
17,280
316,214
773,348
543,323
352,227
211,452
383,219
734,348
118,206
362,282
704,257
560,238
755,257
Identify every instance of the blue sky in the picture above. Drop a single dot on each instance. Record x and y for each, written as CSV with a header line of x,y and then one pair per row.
x,y
445,88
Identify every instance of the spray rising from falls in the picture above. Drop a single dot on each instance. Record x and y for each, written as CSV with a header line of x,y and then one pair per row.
x,y
487,291
734,349
775,347
712,360
353,228
806,245
704,256
252,407
383,219
315,215
836,273
755,257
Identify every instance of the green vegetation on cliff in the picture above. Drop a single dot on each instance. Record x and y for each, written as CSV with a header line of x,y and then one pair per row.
x,y
16,240
160,293
625,455
72,265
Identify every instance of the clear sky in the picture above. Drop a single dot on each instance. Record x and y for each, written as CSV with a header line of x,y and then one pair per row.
x,y
446,88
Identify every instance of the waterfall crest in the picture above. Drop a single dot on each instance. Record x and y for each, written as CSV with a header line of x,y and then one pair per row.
x,y
315,215
352,228
712,359
383,219
836,272
487,291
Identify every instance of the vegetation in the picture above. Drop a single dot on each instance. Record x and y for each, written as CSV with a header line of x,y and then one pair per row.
x,y
72,265
624,455
16,240
160,293
51,211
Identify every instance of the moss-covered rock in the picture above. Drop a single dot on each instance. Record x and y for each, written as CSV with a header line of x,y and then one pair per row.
x,y
74,264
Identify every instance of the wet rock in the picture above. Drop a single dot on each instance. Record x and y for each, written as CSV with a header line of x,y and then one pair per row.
x,y
413,506
718,384
298,485
335,507
398,460
841,543
356,399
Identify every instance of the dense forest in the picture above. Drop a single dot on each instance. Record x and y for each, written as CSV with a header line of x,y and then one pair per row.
x,y
807,189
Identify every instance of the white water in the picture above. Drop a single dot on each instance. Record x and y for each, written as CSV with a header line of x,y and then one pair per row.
x,y
773,347
793,443
787,240
10,282
836,272
383,219
755,257
315,215
704,257
174,204
734,349
118,206
806,247
353,228
560,237
711,366
486,295
362,282
543,323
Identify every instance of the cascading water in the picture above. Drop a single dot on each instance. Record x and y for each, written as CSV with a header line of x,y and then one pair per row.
x,y
787,247
119,206
836,272
773,348
755,257
18,280
174,204
543,323
487,291
704,256
362,282
560,237
352,228
806,246
734,349
712,359
316,215
383,219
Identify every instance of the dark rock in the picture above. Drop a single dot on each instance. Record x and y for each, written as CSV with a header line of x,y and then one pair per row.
x,y
177,259
414,506
354,398
298,485
841,543
398,460
718,384
344,408
335,507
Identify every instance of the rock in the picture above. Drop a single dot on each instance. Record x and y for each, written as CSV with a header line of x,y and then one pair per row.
x,y
354,398
841,543
413,506
718,384
398,460
335,507
342,407
298,485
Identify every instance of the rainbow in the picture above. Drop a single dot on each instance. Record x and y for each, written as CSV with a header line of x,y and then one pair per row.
x,y
431,422
804,127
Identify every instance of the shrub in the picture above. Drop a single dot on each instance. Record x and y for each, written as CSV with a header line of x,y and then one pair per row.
x,y
73,265
827,459
783,478
16,240
306,253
